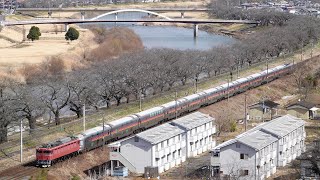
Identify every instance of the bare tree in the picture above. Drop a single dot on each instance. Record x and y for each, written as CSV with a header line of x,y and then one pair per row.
x,y
28,105
55,97
80,89
7,107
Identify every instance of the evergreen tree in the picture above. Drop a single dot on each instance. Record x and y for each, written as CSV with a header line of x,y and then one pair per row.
x,y
72,34
34,33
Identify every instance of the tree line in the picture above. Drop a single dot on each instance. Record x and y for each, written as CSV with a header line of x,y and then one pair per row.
x,y
50,91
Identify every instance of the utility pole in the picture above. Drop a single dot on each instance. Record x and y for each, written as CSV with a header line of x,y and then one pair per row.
x,y
267,69
103,132
245,112
262,109
140,101
228,90
196,85
176,96
84,116
301,57
311,49
21,142
238,70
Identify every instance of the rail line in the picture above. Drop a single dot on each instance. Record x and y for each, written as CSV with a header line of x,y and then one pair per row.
x,y
27,170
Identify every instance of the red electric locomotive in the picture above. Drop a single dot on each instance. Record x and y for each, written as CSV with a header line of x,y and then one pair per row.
x,y
50,153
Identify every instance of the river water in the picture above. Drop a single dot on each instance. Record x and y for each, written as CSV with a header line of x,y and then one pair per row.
x,y
170,36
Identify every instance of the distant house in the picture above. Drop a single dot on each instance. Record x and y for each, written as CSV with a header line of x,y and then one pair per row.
x,y
303,109
310,162
263,110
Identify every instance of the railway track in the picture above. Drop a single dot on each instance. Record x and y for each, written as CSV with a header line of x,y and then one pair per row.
x,y
25,171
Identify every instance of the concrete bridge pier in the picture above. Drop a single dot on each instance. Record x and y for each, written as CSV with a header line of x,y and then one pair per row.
x,y
182,15
116,17
82,15
66,27
195,30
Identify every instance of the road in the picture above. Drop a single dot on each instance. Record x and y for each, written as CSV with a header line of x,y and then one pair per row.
x,y
109,9
78,21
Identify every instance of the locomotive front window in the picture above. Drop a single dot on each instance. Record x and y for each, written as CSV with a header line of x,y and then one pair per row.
x,y
39,151
47,152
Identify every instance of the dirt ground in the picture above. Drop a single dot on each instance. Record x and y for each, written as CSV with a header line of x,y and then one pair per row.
x,y
50,43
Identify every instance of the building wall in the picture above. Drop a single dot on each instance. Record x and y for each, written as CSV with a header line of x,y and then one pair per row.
x,y
137,153
267,160
291,146
256,114
169,153
200,139
260,163
231,164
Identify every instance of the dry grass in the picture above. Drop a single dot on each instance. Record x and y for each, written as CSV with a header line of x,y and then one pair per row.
x,y
117,41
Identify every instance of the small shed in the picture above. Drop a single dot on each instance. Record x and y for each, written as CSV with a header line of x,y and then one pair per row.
x,y
303,109
263,110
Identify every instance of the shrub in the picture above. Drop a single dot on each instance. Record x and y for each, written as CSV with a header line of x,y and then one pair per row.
x,y
72,34
34,33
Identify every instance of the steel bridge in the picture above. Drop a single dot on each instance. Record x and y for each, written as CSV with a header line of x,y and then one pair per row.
x,y
97,19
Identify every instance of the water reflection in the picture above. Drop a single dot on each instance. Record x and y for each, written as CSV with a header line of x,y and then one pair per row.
x,y
169,36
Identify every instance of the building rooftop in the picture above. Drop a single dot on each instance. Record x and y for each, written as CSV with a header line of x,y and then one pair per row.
x,y
266,103
305,104
283,125
226,143
192,120
257,139
265,133
160,133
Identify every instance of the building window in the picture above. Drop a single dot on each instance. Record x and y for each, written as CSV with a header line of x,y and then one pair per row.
x,y
179,152
136,139
162,144
215,154
163,159
244,156
168,142
157,159
244,172
238,145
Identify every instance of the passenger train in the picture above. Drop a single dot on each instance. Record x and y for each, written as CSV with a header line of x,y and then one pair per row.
x,y
126,126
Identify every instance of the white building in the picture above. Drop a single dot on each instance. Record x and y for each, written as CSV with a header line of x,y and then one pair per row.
x,y
200,129
256,153
165,146
291,134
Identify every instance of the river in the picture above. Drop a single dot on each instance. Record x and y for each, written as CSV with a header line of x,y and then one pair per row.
x,y
170,36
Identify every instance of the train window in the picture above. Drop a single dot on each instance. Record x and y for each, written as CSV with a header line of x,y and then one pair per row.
x,y
39,151
136,139
47,152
